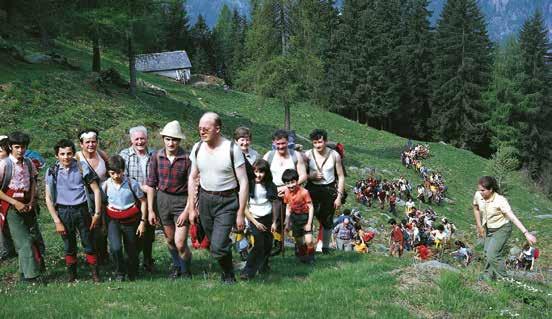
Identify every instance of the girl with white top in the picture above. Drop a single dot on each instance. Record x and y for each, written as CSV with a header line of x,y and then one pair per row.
x,y
263,220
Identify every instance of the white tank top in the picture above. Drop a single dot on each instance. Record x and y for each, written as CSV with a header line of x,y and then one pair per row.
x,y
101,169
279,165
328,169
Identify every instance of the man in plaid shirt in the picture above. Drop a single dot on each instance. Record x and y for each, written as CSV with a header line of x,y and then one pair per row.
x,y
137,158
168,175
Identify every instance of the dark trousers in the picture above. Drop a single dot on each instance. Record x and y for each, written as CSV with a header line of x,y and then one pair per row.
x,y
123,234
280,211
76,219
218,216
258,256
145,244
323,198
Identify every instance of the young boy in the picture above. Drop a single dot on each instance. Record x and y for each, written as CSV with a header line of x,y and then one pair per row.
x,y
17,200
396,239
299,214
67,185
127,213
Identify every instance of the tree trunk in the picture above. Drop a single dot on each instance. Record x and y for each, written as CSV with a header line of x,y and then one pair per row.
x,y
10,11
96,55
287,116
358,116
131,67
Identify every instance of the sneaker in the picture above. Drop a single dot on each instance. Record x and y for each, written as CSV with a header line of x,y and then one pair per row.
x,y
175,274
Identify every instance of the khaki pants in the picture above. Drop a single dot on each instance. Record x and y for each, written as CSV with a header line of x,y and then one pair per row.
x,y
23,241
495,249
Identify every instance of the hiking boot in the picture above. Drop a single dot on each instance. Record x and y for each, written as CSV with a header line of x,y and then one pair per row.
x,y
228,278
94,273
148,266
265,269
72,273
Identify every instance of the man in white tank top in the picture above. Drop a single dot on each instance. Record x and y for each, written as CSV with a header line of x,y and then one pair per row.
x,y
326,183
223,190
281,159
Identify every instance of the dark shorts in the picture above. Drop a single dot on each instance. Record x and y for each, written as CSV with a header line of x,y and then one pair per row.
x,y
170,206
298,222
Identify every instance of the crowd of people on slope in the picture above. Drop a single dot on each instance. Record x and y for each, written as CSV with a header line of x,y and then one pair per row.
x,y
113,203
370,190
433,188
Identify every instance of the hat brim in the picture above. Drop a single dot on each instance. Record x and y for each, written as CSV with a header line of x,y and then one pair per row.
x,y
173,135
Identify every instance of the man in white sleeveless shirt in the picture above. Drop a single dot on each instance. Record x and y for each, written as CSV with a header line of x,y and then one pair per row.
x,y
223,190
326,183
280,159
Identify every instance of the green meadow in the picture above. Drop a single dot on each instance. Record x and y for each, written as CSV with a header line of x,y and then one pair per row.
x,y
52,101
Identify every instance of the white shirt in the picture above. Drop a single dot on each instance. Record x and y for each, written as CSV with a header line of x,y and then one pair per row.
x,y
259,205
327,170
216,173
279,165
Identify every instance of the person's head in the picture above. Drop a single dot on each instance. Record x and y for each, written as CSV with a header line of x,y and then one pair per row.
x,y
261,168
440,228
290,177
209,127
89,140
346,221
346,212
17,144
392,222
4,147
319,137
172,135
242,136
116,168
459,244
444,221
139,138
280,141
526,246
65,151
487,186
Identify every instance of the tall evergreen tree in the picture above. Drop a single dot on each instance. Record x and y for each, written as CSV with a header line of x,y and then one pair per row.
x,y
463,55
224,47
176,25
203,54
537,98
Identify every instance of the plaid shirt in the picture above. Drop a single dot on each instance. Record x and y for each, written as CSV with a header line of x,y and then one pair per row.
x,y
132,165
169,177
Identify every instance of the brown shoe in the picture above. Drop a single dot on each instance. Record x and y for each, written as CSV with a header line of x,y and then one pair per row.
x,y
94,273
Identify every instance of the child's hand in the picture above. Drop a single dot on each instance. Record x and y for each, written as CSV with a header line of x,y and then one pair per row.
x,y
288,227
260,227
307,227
141,229
273,228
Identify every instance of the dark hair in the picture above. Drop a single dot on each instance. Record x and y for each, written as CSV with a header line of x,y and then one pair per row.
x,y
489,182
116,163
242,131
290,175
19,138
318,133
392,221
4,145
347,212
263,166
440,227
63,143
279,134
88,130
460,244
526,246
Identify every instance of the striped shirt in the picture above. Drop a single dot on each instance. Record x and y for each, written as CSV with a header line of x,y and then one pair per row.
x,y
134,167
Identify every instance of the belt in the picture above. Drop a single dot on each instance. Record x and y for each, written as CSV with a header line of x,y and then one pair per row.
x,y
344,238
227,193
72,206
175,194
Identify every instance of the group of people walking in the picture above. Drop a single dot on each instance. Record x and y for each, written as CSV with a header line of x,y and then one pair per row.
x,y
117,201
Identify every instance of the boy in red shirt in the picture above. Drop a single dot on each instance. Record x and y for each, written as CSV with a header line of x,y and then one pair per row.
x,y
299,214
396,240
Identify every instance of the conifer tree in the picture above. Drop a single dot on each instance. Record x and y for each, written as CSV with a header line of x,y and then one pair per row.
x,y
203,54
463,54
536,102
222,37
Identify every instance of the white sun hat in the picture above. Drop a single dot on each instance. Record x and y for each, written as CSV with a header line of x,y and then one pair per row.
x,y
173,129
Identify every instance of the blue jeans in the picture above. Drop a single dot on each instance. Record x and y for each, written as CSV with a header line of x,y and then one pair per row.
x,y
76,219
120,234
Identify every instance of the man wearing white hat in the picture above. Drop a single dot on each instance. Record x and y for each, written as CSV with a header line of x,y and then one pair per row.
x,y
224,189
168,175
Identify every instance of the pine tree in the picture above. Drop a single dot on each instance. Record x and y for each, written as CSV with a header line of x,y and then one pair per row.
x,y
203,54
463,54
537,98
175,25
224,47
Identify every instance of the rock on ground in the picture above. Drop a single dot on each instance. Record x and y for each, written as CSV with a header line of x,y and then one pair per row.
x,y
434,264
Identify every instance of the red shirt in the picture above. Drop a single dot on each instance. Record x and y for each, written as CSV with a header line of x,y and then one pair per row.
x,y
298,201
169,177
423,252
396,234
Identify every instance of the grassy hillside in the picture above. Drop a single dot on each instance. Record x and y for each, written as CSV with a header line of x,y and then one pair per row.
x,y
52,101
